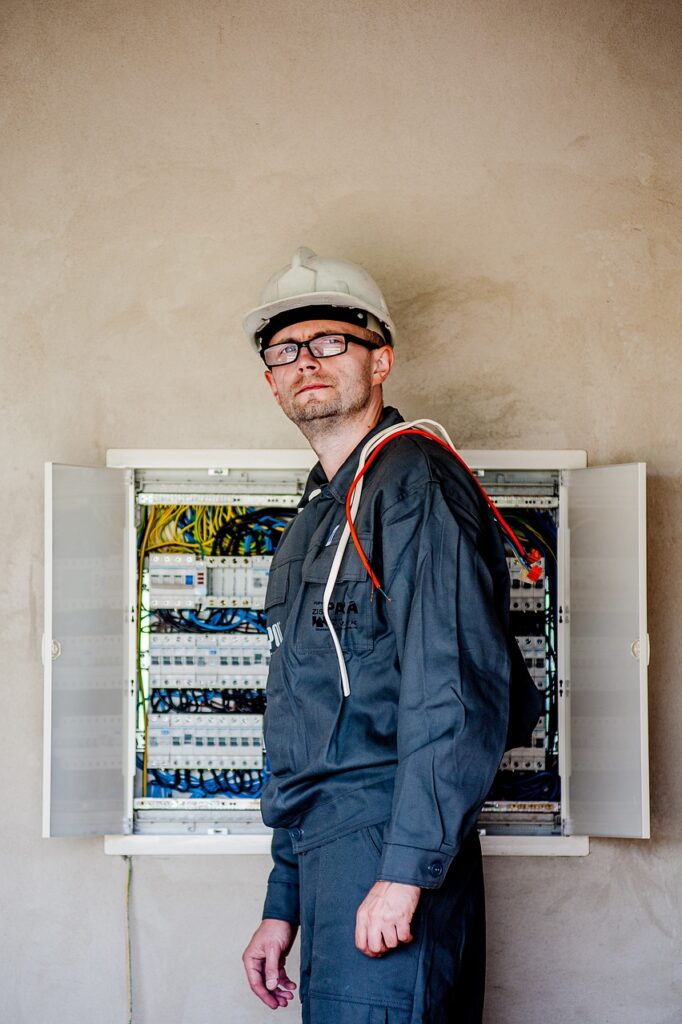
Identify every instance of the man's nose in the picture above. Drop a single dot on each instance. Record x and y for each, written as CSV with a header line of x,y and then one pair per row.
x,y
305,357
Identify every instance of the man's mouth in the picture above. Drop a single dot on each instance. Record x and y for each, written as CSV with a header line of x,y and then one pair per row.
x,y
311,387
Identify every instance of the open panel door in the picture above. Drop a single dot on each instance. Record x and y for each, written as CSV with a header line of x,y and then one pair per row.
x,y
609,651
84,650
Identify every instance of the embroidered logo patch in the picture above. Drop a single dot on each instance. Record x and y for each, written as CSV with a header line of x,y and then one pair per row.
x,y
275,636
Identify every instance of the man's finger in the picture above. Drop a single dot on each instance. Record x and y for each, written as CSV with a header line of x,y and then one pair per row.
x,y
272,955
284,980
361,932
375,941
285,987
403,932
362,935
254,977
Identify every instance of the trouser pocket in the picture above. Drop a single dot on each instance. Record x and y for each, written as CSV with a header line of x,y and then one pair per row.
x,y
374,835
334,880
437,978
336,1011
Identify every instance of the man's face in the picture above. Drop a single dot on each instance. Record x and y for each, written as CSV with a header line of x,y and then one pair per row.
x,y
316,389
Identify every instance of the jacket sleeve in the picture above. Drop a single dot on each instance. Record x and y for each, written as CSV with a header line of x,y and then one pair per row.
x,y
454,690
281,900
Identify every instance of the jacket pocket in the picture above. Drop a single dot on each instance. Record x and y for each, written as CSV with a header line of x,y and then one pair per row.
x,y
284,740
278,586
350,606
374,834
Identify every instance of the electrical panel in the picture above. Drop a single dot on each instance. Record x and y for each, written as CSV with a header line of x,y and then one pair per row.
x,y
157,652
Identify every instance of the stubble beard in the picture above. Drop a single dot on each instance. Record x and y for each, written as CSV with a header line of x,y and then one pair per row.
x,y
321,415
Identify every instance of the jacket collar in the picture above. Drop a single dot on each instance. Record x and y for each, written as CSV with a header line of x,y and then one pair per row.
x,y
343,478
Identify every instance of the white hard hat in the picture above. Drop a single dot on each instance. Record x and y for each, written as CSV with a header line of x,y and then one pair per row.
x,y
316,283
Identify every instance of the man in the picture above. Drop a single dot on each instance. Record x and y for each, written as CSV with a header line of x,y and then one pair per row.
x,y
388,707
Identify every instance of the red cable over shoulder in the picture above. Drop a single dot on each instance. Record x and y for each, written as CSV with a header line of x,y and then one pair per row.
x,y
530,557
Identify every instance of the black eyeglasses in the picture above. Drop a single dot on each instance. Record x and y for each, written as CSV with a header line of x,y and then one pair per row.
x,y
324,347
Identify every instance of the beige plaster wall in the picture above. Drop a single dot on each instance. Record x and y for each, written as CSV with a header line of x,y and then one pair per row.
x,y
510,172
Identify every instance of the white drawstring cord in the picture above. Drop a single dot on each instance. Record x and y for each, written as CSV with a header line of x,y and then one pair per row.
x,y
343,540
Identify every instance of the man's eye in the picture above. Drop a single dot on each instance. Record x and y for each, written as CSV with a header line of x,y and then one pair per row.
x,y
288,349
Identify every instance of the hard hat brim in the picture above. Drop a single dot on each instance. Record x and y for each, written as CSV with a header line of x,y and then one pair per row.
x,y
258,318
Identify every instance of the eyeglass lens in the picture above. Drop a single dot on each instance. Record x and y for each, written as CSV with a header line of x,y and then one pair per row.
x,y
320,348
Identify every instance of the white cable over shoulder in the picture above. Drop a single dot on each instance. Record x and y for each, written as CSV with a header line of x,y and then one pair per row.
x,y
345,535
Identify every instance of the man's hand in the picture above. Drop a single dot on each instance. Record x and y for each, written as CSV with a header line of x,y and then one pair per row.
x,y
384,916
264,960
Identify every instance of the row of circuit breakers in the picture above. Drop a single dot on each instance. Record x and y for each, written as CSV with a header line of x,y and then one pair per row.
x,y
183,581
206,688
187,662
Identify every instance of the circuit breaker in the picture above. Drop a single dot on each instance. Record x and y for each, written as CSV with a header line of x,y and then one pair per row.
x,y
156,648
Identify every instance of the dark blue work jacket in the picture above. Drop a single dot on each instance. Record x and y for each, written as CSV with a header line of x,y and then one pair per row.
x,y
419,739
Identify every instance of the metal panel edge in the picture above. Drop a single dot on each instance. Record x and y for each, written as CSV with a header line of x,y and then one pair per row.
x,y
304,458
644,652
165,846
130,712
561,458
47,656
168,846
210,458
535,846
563,646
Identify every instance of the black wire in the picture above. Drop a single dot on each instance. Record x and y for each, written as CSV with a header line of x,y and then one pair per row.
x,y
230,620
231,537
208,702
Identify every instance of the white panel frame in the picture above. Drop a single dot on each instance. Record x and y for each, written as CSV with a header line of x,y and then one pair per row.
x,y
207,458
304,458
163,846
130,711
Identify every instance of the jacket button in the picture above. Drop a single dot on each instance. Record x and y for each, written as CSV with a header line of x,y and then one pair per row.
x,y
436,869
296,833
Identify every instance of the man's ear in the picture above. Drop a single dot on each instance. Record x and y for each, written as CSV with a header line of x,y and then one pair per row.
x,y
382,361
271,384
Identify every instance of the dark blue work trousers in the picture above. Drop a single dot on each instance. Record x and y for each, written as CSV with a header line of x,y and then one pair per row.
x,y
438,978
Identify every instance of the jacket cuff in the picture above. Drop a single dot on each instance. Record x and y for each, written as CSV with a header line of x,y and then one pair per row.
x,y
411,866
281,902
